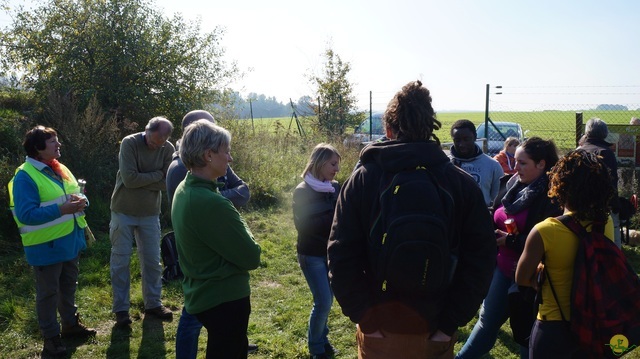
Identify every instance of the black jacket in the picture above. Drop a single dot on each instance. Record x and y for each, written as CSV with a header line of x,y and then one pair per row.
x,y
313,215
603,148
349,258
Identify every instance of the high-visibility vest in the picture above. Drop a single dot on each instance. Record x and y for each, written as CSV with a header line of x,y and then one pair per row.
x,y
50,192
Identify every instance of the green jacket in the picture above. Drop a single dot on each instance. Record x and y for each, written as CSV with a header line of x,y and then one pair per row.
x,y
215,246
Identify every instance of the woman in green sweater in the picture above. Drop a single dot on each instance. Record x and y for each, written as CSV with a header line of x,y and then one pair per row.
x,y
215,246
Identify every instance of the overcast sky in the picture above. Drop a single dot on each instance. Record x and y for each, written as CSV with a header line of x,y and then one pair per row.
x,y
571,51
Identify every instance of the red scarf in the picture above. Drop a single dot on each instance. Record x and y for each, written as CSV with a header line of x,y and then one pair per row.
x,y
57,169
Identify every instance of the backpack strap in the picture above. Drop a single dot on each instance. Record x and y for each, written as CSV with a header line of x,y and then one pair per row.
x,y
555,296
579,231
446,197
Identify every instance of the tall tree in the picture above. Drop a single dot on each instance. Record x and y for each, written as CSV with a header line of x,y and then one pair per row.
x,y
135,61
336,109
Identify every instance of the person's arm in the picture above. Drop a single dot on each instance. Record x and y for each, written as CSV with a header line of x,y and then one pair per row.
x,y
476,259
609,159
347,254
498,172
235,189
236,243
531,256
27,208
176,173
128,166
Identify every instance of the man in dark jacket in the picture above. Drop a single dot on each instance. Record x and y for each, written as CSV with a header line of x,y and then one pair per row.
x,y
595,132
395,324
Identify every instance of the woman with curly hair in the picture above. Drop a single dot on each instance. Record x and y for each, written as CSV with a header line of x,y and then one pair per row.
x,y
581,185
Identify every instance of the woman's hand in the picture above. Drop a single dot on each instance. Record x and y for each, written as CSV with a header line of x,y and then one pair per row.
x,y
501,237
539,269
73,205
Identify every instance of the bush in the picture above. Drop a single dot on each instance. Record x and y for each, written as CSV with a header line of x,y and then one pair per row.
x,y
272,159
17,100
90,149
11,156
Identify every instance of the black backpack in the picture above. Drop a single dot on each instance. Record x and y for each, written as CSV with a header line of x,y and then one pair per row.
x,y
412,234
170,260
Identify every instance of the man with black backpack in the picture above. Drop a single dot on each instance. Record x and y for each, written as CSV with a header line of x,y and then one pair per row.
x,y
235,190
412,248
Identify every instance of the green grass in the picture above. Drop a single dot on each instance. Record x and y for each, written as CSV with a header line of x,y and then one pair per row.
x,y
280,298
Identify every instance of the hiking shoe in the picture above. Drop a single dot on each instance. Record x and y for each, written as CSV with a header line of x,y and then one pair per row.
x,y
77,330
54,346
160,312
252,348
122,318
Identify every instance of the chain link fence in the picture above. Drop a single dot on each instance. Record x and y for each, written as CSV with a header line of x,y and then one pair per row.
x,y
559,113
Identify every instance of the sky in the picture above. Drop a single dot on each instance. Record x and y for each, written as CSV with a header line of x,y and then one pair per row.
x,y
570,51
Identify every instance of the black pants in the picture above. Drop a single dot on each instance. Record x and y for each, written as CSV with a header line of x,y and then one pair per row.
x,y
553,339
226,326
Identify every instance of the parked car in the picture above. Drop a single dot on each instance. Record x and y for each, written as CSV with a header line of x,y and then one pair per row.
x,y
365,132
495,139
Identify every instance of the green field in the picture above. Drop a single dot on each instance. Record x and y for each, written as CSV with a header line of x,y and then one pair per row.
x,y
557,125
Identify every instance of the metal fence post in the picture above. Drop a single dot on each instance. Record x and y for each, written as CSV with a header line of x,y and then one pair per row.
x,y
370,116
579,124
486,114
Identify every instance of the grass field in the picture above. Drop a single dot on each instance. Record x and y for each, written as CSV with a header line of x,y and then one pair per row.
x,y
557,125
281,302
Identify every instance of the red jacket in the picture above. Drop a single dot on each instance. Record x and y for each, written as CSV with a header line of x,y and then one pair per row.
x,y
507,162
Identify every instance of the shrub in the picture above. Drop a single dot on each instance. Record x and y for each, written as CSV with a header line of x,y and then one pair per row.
x,y
271,159
11,156
90,148
17,100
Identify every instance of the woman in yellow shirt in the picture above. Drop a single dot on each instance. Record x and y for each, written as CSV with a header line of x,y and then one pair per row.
x,y
580,183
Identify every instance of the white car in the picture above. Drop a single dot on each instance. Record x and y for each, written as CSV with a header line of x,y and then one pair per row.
x,y
367,131
498,133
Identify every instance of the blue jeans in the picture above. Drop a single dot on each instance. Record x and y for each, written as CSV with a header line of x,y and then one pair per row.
x,y
493,313
316,272
187,336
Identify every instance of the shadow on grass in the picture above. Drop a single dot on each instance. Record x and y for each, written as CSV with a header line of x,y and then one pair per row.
x,y
120,346
152,344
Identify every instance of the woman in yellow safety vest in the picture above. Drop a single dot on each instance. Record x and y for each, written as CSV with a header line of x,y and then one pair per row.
x,y
49,211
